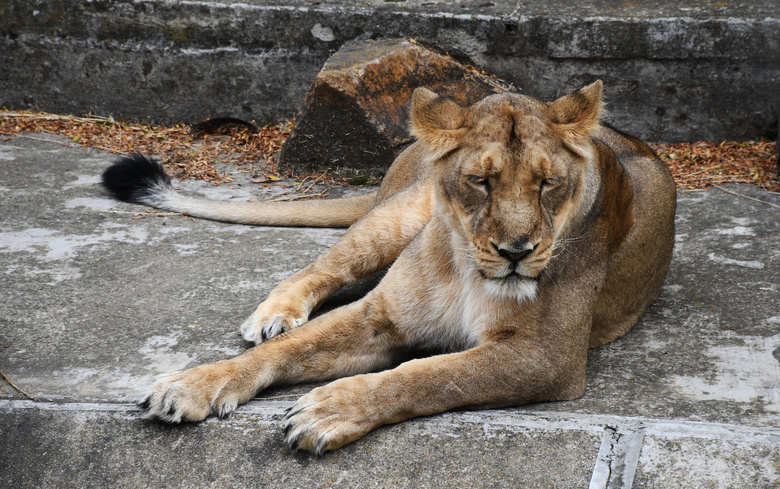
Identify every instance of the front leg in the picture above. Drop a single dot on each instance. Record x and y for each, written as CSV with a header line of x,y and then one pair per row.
x,y
495,374
370,244
350,340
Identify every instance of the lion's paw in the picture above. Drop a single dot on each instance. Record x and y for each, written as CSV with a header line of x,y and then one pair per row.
x,y
325,419
260,327
190,395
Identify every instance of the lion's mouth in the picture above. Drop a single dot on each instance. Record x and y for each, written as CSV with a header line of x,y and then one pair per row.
x,y
512,276
512,285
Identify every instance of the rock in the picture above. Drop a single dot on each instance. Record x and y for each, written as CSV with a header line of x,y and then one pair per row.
x,y
355,115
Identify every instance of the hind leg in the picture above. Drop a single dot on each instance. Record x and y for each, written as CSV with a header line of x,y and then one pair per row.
x,y
370,244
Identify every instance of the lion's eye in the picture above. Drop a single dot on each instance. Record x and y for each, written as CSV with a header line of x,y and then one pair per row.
x,y
481,182
549,183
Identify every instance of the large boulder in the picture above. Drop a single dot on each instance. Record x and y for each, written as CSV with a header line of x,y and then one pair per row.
x,y
355,117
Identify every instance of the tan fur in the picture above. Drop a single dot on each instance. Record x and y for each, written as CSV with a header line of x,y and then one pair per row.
x,y
521,232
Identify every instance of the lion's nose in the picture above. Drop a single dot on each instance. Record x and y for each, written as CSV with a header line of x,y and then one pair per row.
x,y
516,251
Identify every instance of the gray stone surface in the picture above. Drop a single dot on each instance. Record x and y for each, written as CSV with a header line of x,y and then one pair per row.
x,y
95,304
115,449
673,71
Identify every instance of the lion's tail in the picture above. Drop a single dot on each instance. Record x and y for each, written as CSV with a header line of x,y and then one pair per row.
x,y
140,180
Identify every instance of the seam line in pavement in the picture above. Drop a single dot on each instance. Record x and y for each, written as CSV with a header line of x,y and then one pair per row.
x,y
626,429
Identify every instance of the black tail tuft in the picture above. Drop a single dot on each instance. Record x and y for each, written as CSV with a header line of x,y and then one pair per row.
x,y
133,177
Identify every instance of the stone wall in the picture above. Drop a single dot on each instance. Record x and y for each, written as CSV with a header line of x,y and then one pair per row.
x,y
671,73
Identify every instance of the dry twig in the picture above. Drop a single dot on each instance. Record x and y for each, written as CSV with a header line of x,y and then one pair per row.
x,y
745,196
28,396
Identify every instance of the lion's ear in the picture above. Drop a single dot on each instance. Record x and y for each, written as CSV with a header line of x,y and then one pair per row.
x,y
578,113
436,120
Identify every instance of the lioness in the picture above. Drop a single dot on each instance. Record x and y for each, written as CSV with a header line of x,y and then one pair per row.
x,y
522,233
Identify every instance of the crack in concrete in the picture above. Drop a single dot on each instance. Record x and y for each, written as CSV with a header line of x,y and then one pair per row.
x,y
618,457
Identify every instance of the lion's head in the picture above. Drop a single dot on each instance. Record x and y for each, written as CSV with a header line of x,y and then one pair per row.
x,y
511,173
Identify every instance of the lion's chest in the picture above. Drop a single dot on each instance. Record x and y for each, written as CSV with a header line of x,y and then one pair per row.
x,y
448,313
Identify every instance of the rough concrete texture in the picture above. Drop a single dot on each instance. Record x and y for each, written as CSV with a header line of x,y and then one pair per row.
x,y
96,303
673,71
356,114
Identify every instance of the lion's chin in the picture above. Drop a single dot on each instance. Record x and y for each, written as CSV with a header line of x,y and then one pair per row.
x,y
513,287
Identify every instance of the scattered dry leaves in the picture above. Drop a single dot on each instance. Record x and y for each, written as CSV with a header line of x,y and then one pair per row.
x,y
190,155
703,164
185,152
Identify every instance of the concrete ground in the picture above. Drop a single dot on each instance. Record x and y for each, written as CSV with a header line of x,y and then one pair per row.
x,y
96,303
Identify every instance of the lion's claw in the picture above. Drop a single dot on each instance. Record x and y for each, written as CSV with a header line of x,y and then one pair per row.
x,y
325,419
260,327
190,395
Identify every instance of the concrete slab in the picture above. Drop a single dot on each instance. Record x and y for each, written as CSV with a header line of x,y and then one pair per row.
x,y
115,449
97,303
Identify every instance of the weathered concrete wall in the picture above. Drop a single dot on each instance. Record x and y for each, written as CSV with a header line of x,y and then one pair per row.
x,y
672,72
